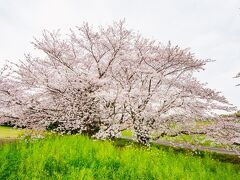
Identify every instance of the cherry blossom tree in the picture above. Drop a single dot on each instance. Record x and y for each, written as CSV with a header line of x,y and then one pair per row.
x,y
226,130
12,97
102,81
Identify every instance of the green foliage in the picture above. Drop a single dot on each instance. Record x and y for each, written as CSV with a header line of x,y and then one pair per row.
x,y
78,157
237,114
127,133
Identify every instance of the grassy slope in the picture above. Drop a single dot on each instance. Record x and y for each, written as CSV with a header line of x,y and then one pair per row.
x,y
77,157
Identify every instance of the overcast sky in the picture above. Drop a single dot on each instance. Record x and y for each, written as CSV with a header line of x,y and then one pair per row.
x,y
211,28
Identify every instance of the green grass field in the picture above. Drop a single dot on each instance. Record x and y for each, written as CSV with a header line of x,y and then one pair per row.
x,y
6,132
9,134
78,157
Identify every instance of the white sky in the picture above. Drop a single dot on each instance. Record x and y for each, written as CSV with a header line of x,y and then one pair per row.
x,y
211,28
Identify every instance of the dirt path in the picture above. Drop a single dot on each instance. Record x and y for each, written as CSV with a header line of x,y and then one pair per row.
x,y
201,148
192,147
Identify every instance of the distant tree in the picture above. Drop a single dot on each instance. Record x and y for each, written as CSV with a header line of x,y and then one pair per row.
x,y
237,76
103,81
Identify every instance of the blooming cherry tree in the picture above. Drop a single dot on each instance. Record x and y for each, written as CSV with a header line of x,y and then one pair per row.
x,y
103,81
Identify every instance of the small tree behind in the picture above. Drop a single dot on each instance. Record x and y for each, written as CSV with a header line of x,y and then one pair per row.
x,y
238,76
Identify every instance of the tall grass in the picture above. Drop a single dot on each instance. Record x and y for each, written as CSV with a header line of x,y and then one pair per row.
x,y
78,157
